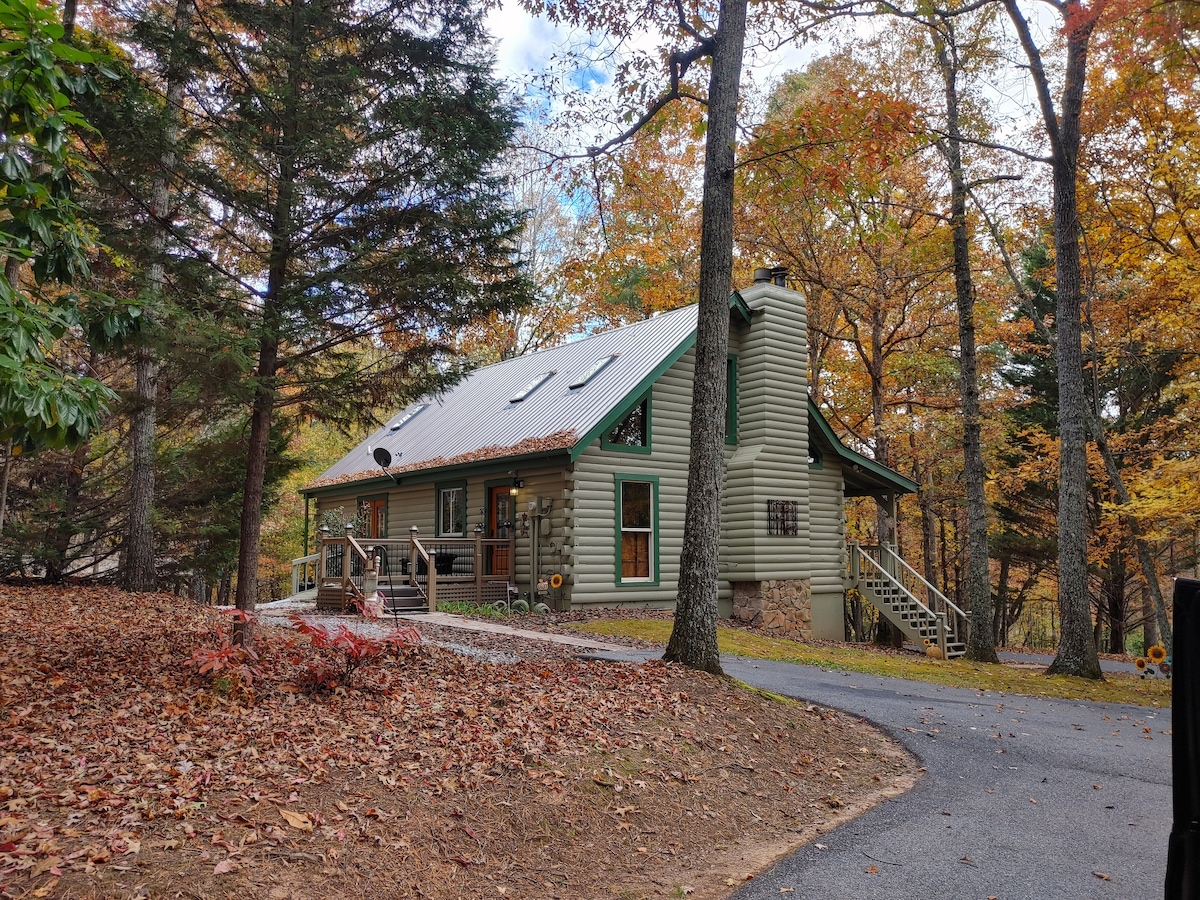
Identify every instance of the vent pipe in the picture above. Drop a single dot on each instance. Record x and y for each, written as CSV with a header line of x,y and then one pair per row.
x,y
776,275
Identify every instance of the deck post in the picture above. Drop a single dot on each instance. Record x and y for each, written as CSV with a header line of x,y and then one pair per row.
x,y
346,564
941,632
855,563
412,554
479,563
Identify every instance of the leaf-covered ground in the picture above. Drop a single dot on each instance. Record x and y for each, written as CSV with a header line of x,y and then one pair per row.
x,y
125,773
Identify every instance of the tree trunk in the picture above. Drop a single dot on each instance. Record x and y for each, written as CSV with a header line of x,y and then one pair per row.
x,y
140,570
981,645
8,466
1000,620
1150,635
1076,650
694,634
1114,605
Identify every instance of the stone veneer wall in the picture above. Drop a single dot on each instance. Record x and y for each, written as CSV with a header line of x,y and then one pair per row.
x,y
783,606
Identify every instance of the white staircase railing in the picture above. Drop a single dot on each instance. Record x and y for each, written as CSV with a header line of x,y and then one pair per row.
x,y
905,598
934,599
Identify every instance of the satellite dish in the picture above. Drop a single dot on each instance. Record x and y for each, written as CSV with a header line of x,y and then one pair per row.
x,y
382,457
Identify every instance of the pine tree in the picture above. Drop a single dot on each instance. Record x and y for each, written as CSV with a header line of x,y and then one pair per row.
x,y
349,150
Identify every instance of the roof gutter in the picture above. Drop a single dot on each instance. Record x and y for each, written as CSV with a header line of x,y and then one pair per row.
x,y
439,473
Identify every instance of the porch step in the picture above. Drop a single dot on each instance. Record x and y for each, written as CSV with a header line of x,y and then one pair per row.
x,y
402,598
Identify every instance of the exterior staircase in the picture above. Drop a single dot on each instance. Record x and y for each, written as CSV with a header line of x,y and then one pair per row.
x,y
402,598
910,603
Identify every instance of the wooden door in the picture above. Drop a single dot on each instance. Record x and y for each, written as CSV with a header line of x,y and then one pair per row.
x,y
499,526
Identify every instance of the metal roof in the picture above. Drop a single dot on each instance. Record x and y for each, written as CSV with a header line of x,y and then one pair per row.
x,y
478,419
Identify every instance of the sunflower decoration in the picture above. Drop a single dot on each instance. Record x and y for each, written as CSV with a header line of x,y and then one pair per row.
x,y
556,581
928,642
1156,661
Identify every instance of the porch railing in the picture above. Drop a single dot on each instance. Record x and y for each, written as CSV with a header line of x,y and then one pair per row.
x,y
304,573
473,569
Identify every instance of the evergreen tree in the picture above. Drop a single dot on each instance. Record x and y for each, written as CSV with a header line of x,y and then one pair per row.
x,y
349,151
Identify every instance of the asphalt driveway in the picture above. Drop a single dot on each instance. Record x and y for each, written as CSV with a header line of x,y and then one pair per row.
x,y
1024,799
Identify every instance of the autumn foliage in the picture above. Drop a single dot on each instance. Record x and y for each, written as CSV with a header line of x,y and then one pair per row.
x,y
439,776
350,650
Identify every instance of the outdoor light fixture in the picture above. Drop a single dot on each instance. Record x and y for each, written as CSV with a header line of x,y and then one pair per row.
x,y
516,486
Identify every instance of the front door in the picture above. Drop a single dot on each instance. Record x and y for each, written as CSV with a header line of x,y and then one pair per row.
x,y
498,557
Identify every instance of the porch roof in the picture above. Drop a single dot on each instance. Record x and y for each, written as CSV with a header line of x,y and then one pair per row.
x,y
863,477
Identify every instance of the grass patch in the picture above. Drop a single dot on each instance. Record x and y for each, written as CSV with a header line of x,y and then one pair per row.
x,y
1117,688
476,610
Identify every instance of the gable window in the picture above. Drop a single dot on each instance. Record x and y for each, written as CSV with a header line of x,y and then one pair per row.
x,y
372,513
632,432
731,399
815,461
451,510
637,529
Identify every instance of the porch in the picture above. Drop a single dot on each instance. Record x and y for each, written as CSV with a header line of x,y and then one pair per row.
x,y
412,574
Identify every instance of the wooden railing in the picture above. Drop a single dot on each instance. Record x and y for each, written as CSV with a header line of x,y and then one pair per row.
x,y
304,573
475,569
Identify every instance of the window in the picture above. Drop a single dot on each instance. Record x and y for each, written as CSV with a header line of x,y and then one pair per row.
x,y
637,531
372,512
731,399
632,432
592,372
452,510
815,460
524,392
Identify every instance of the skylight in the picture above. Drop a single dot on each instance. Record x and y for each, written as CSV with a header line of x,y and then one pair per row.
x,y
406,418
524,392
593,370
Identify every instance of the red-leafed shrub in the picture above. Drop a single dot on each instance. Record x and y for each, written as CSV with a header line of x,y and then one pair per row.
x,y
230,664
352,650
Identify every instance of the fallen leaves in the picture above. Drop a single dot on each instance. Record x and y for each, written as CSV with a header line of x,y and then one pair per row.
x,y
116,756
297,820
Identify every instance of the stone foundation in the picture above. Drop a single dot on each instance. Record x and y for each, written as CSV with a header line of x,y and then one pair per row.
x,y
783,607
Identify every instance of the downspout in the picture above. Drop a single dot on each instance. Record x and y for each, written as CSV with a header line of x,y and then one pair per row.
x,y
534,549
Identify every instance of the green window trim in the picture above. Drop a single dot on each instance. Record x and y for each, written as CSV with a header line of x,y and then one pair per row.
x,y
731,400
648,447
438,488
368,498
655,571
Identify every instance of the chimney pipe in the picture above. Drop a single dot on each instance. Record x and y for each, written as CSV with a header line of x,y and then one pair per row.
x,y
776,275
